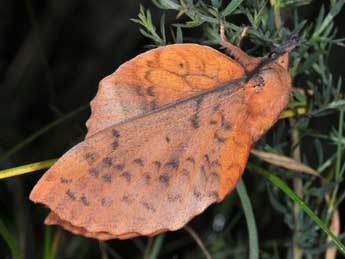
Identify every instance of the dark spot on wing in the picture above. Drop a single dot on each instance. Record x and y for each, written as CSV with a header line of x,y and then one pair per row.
x,y
65,180
213,122
215,163
127,199
174,198
127,175
90,157
213,195
185,172
115,144
119,167
153,104
198,103
214,174
105,202
216,107
224,123
115,133
195,121
148,206
150,63
197,194
139,90
191,159
181,65
147,177
219,138
107,177
195,117
107,161
173,164
149,91
207,159
84,200
167,139
164,178
138,161
93,171
71,194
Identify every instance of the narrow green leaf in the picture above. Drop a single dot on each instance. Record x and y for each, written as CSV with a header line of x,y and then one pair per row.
x,y
287,190
179,36
163,28
231,7
156,247
10,240
47,243
250,219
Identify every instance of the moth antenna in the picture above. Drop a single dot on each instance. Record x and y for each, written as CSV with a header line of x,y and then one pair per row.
x,y
274,55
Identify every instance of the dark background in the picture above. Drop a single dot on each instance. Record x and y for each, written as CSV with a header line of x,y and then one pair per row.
x,y
52,56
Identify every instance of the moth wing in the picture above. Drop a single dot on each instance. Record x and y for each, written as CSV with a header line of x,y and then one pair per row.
x,y
153,173
156,78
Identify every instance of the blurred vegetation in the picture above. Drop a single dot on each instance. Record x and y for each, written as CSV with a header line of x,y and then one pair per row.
x,y
55,52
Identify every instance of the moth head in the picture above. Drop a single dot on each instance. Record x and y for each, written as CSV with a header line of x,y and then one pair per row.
x,y
280,55
268,89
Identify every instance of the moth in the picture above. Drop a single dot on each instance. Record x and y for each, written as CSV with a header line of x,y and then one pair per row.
x,y
169,134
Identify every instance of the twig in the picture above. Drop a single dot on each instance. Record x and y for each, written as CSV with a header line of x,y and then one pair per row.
x,y
297,186
197,239
103,249
24,169
148,248
242,35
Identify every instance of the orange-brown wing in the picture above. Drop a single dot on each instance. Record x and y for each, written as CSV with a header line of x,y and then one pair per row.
x,y
158,77
152,173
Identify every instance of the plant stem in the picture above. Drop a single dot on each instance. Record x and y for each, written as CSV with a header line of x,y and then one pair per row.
x,y
337,167
198,240
24,169
297,186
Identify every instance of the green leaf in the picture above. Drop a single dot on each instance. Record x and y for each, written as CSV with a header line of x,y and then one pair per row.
x,y
250,219
231,7
156,247
163,27
287,190
47,254
179,35
10,240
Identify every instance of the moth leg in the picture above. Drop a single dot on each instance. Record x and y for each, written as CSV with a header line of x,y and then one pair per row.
x,y
239,55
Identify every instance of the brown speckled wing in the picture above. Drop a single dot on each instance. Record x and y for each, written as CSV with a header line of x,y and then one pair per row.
x,y
152,173
151,162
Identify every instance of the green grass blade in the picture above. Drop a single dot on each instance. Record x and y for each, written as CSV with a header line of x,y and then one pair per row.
x,y
286,189
250,219
231,7
10,240
40,132
156,247
24,169
47,243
